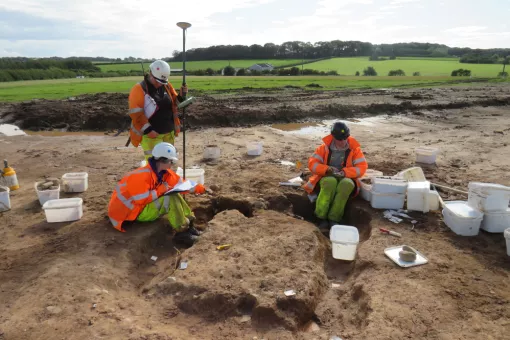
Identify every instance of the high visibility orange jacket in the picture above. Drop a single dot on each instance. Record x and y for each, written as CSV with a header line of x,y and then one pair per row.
x,y
135,190
138,101
355,163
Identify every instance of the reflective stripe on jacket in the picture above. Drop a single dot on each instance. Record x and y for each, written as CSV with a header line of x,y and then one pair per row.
x,y
355,164
134,191
139,121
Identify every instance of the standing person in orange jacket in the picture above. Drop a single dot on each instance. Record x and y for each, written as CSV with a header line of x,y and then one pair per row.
x,y
337,165
140,196
153,109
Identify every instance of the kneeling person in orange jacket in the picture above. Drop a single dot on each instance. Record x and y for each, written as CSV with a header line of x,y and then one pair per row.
x,y
140,196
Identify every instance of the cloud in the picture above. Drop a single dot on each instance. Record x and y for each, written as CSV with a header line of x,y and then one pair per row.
x,y
121,28
137,24
466,29
398,2
13,26
387,8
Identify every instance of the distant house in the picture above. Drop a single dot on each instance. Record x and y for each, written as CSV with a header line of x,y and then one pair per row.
x,y
261,67
80,77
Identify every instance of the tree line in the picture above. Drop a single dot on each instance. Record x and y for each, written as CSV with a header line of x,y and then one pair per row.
x,y
473,58
72,64
325,49
13,69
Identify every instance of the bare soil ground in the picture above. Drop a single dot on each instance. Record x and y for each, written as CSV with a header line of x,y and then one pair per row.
x,y
85,280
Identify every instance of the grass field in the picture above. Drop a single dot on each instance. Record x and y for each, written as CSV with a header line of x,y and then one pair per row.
x,y
202,65
63,88
426,66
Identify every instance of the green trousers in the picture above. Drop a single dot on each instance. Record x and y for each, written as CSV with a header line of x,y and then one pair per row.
x,y
333,197
174,206
149,143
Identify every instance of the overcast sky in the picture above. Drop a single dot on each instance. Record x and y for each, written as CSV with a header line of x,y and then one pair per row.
x,y
122,28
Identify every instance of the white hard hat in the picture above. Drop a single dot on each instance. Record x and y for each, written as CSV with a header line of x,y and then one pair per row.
x,y
165,150
160,70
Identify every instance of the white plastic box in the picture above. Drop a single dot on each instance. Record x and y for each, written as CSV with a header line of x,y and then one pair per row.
x,y
414,174
254,148
507,237
344,242
488,196
387,201
46,195
496,221
63,210
372,173
75,181
5,200
389,185
212,152
418,196
461,218
193,174
426,155
433,200
366,189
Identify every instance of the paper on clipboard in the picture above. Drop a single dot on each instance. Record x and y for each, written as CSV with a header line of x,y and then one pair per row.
x,y
184,186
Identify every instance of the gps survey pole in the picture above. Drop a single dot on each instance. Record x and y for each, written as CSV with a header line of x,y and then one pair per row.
x,y
184,26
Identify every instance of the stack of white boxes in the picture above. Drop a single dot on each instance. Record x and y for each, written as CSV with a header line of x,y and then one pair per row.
x,y
388,193
492,200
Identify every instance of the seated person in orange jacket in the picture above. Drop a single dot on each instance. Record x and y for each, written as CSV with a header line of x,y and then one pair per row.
x,y
140,196
337,165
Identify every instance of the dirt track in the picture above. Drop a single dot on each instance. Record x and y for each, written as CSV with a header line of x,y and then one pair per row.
x,y
52,274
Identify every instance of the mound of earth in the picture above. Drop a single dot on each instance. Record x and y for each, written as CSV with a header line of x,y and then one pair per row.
x,y
108,111
270,253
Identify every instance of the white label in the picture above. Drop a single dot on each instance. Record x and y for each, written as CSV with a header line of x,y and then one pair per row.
x,y
11,181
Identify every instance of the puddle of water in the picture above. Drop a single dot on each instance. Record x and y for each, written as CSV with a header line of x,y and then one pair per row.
x,y
293,126
323,128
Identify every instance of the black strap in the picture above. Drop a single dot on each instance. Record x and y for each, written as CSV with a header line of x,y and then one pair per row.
x,y
347,153
143,84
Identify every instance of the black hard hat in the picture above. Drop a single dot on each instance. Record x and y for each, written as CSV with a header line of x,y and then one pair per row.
x,y
340,131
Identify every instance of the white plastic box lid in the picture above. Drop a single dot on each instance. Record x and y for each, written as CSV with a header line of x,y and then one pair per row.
x,y
344,234
488,186
419,185
427,150
75,175
462,209
63,203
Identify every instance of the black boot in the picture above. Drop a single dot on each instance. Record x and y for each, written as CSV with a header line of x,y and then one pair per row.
x,y
323,224
185,238
193,230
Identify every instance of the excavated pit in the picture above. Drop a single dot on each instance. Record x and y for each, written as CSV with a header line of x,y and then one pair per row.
x,y
271,252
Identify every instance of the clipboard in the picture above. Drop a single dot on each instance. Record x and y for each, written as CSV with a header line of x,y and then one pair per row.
x,y
182,187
